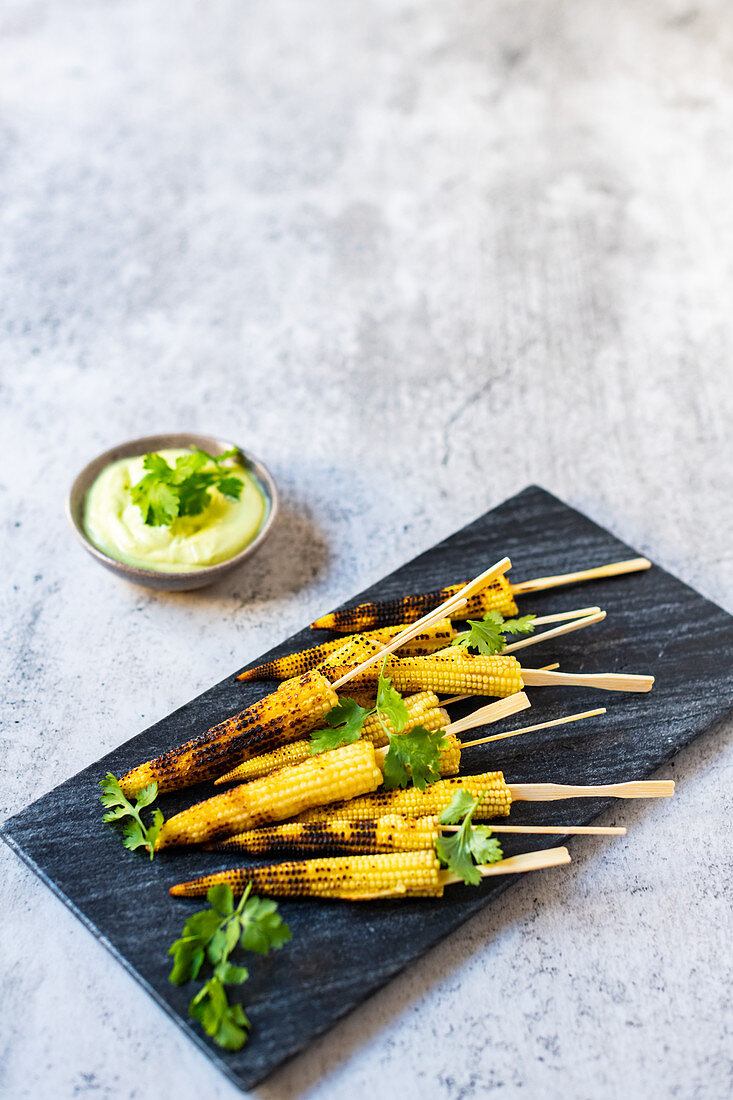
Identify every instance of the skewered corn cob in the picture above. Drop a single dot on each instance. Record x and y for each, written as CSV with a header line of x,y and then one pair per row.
x,y
496,800
295,664
356,878
496,596
423,710
496,797
499,595
364,878
457,672
341,774
391,833
297,707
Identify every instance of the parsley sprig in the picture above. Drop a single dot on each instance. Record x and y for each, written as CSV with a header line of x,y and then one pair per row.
x,y
413,756
120,810
211,936
487,635
167,492
471,844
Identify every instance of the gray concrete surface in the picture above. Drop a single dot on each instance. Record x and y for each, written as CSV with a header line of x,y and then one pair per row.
x,y
415,255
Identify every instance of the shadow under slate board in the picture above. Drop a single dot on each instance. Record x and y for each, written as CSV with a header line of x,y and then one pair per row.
x,y
341,953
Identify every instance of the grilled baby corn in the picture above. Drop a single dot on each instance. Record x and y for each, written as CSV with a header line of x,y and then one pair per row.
x,y
433,637
331,776
296,708
496,800
423,709
391,833
354,878
341,774
497,596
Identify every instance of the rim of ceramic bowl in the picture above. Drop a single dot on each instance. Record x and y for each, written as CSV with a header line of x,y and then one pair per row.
x,y
76,500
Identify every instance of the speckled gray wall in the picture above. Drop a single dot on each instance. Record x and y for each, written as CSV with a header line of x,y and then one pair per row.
x,y
415,256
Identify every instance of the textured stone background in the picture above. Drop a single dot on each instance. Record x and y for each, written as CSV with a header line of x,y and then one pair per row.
x,y
415,255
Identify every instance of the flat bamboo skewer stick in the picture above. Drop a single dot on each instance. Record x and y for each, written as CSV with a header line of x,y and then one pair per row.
x,y
606,681
550,792
530,861
442,611
613,569
565,628
561,616
492,712
551,830
527,729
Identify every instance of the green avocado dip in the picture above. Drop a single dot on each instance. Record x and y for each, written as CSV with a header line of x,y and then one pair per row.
x,y
175,533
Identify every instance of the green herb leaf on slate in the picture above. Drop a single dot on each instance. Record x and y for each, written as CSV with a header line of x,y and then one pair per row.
x,y
120,810
211,935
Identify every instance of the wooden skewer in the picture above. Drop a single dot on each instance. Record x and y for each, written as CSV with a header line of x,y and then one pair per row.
x,y
606,681
550,792
530,861
566,628
552,830
442,611
614,569
561,616
530,729
493,712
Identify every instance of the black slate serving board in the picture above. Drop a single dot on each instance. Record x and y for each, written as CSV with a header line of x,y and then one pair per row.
x,y
342,953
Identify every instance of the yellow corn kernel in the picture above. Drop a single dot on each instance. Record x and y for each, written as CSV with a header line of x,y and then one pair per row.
x,y
433,637
497,596
341,774
354,878
296,708
423,710
495,802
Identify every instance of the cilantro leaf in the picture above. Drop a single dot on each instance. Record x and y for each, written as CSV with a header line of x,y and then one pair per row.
x,y
345,721
471,844
135,832
485,848
263,929
390,703
487,635
226,1024
455,853
413,756
461,803
211,935
522,625
166,492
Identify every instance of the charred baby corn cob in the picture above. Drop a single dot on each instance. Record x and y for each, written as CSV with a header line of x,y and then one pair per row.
x,y
427,641
296,708
423,709
496,800
355,878
341,774
497,596
391,833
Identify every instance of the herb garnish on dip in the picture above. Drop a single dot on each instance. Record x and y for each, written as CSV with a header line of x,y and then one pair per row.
x,y
175,510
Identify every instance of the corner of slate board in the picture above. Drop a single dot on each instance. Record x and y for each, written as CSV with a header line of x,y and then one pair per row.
x,y
655,624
